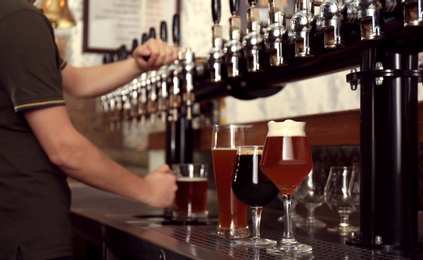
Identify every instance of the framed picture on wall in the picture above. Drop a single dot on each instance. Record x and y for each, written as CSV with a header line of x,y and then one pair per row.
x,y
109,24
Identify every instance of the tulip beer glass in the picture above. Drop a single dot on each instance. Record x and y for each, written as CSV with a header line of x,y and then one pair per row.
x,y
252,187
232,222
286,161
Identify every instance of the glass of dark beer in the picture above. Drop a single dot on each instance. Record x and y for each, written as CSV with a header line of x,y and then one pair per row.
x,y
252,187
191,196
232,221
286,161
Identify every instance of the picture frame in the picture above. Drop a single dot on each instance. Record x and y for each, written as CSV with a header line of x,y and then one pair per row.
x,y
109,24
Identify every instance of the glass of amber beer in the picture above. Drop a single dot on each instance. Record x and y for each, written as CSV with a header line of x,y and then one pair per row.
x,y
286,161
191,196
232,221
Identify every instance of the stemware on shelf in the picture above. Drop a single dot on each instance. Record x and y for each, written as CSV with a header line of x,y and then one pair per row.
x,y
252,187
287,161
310,193
338,199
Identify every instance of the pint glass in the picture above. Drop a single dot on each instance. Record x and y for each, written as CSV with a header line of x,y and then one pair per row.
x,y
232,222
191,196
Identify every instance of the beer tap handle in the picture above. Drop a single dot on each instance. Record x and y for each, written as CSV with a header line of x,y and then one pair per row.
x,y
163,31
176,29
144,38
234,6
216,11
152,33
134,44
216,52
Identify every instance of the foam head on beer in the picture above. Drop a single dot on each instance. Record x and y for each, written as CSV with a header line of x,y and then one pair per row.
x,y
286,128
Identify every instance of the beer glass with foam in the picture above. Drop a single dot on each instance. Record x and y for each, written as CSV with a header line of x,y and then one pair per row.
x,y
232,221
286,161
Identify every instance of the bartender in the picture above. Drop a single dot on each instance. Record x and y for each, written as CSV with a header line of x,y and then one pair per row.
x,y
39,145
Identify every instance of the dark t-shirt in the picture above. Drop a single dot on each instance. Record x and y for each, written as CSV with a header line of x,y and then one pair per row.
x,y
34,195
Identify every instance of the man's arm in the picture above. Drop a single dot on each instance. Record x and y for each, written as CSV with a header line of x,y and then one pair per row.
x,y
99,80
81,160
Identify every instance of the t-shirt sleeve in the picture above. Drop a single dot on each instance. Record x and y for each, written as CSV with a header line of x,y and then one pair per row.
x,y
31,66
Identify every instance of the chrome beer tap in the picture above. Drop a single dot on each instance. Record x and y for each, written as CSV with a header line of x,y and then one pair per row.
x,y
331,19
302,23
216,53
274,33
142,90
188,96
233,48
253,40
163,96
152,97
369,16
413,12
174,72
142,98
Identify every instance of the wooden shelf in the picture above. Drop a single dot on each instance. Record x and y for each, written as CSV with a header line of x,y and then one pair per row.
x,y
336,128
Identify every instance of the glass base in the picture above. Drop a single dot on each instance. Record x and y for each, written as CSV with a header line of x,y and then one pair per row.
x,y
190,216
344,230
233,233
310,225
290,246
256,242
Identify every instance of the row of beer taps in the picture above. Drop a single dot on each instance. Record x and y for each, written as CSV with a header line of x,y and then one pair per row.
x,y
269,43
164,94
167,94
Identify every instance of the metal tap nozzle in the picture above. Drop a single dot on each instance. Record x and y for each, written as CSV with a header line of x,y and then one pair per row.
x,y
188,93
142,98
369,16
233,48
331,19
152,98
163,93
274,33
253,40
216,53
413,12
302,23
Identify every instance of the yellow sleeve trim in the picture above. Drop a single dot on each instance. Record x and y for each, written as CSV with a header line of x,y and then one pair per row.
x,y
40,104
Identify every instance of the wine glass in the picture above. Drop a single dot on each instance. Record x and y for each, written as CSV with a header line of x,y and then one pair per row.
x,y
232,220
286,161
337,198
252,187
354,187
310,192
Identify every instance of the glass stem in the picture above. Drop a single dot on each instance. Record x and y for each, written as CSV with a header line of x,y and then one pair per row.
x,y
345,220
311,218
287,233
256,219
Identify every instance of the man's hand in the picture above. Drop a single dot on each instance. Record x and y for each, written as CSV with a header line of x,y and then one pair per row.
x,y
161,186
153,54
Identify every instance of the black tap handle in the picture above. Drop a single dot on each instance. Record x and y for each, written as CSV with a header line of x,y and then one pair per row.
x,y
176,29
163,31
152,33
144,38
134,44
216,11
234,6
105,59
122,52
252,2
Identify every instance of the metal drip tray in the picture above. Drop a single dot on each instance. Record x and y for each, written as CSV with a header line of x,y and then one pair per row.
x,y
204,236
